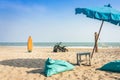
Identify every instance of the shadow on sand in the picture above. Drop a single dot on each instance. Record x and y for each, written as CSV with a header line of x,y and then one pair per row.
x,y
27,63
37,71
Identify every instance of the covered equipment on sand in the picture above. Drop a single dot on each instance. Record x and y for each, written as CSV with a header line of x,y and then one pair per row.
x,y
56,66
113,66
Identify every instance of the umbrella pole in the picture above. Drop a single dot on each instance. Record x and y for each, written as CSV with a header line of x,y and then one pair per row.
x,y
97,39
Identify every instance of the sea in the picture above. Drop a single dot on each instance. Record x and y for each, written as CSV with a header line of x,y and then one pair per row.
x,y
67,44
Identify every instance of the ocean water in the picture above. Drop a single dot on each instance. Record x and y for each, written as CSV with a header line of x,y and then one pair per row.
x,y
67,44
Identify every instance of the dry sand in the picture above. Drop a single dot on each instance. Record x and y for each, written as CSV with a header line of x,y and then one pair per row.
x,y
17,64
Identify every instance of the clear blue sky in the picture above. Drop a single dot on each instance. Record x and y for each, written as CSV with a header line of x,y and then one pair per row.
x,y
53,20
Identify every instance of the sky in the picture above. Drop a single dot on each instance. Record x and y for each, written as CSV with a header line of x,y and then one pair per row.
x,y
53,21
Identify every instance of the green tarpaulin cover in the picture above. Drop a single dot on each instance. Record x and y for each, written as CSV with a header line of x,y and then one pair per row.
x,y
56,66
113,66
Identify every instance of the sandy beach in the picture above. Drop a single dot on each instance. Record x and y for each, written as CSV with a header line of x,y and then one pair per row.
x,y
17,64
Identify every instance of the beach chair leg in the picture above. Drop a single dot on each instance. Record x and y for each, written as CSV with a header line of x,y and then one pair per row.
x,y
89,61
77,60
86,58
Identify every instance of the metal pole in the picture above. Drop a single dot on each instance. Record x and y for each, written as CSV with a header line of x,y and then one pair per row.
x,y
97,39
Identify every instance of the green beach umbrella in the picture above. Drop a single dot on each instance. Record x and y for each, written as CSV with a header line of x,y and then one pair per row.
x,y
106,13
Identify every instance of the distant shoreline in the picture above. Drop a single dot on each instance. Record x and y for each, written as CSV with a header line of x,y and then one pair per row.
x,y
78,47
67,44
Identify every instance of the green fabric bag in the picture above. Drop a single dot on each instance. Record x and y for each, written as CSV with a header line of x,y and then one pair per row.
x,y
113,66
56,66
